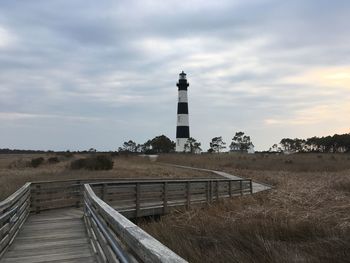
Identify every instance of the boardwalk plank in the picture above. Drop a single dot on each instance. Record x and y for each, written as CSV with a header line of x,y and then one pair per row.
x,y
55,236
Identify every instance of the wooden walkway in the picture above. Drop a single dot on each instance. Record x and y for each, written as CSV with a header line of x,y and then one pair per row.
x,y
53,236
42,221
257,187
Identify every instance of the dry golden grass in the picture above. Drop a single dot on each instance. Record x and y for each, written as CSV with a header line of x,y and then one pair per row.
x,y
305,218
14,172
264,162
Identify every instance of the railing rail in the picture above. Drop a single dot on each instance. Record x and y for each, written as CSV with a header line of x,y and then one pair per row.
x,y
107,206
47,195
14,211
111,234
144,198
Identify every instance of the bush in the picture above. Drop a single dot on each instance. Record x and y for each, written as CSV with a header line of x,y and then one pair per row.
x,y
19,163
113,154
36,162
68,155
100,162
52,160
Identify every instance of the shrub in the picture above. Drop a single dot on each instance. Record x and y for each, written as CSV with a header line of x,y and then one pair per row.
x,y
78,164
333,158
19,163
99,162
53,160
113,154
66,155
36,162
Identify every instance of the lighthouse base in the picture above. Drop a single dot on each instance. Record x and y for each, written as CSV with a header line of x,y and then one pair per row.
x,y
180,144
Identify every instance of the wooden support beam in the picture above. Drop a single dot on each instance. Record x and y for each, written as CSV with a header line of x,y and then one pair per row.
x,y
138,199
188,193
217,190
104,192
165,197
230,188
37,202
207,189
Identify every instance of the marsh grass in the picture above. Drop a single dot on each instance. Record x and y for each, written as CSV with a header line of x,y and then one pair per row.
x,y
307,162
14,171
305,218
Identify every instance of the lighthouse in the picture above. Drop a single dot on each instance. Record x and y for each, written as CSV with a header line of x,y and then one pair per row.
x,y
182,128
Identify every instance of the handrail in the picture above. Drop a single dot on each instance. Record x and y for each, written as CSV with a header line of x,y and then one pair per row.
x,y
144,198
167,180
47,195
119,230
14,211
117,249
125,179
113,237
13,197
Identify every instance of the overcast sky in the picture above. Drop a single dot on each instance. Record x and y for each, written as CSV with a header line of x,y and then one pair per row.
x,y
80,74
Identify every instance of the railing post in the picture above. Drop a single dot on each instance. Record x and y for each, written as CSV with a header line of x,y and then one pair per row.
x,y
251,186
37,200
230,188
241,186
165,197
77,204
217,190
104,192
188,194
211,191
137,200
207,191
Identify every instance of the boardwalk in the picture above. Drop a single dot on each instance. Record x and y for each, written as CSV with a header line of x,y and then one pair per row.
x,y
257,187
45,222
54,236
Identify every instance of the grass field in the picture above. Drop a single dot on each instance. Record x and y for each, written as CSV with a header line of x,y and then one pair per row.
x,y
14,171
305,218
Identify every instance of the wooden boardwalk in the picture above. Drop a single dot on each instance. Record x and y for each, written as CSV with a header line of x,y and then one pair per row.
x,y
257,187
45,222
53,236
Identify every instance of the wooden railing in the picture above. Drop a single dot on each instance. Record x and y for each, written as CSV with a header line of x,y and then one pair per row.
x,y
130,196
107,206
116,239
13,213
48,195
155,197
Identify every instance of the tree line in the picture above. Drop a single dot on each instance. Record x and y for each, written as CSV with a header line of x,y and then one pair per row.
x,y
162,144
159,144
338,143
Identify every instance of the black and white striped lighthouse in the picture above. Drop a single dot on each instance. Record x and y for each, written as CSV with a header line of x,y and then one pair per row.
x,y
182,128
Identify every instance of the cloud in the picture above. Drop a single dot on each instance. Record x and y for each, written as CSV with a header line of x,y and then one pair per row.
x,y
6,38
17,116
112,67
335,78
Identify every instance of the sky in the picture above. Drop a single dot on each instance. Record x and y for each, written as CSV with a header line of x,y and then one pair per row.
x,y
92,74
